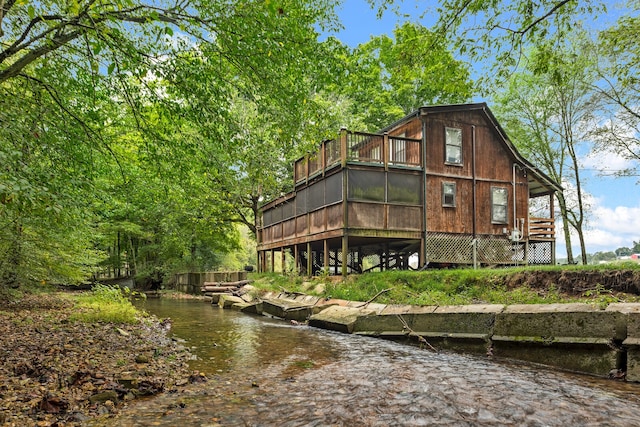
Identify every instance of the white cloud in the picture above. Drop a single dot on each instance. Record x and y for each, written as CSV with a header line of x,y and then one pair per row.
x,y
606,162
608,230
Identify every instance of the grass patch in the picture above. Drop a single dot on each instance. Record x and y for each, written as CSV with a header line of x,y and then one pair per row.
x,y
444,287
105,304
304,364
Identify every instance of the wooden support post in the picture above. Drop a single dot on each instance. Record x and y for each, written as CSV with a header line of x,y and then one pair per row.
x,y
282,261
386,258
309,260
272,260
345,254
325,261
296,259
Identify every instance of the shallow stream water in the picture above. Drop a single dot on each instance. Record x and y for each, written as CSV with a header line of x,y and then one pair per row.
x,y
267,372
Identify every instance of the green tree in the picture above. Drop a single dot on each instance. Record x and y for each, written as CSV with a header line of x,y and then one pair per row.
x,y
388,78
547,111
624,251
500,32
107,111
618,87
603,256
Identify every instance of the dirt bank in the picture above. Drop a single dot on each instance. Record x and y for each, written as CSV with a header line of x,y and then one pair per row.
x,y
576,283
55,372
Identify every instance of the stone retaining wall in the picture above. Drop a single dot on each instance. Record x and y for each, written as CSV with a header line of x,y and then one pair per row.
x,y
577,337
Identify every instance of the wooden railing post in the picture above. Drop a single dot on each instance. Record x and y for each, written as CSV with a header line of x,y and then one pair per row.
x,y
343,146
386,150
323,154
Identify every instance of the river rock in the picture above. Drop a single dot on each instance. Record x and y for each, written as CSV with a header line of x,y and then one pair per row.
x,y
227,301
104,396
253,308
141,358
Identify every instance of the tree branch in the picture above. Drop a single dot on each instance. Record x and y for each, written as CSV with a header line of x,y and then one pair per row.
x,y
61,38
16,68
5,6
410,331
88,130
542,18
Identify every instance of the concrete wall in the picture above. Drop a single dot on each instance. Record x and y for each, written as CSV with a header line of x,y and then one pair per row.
x,y
577,337
191,283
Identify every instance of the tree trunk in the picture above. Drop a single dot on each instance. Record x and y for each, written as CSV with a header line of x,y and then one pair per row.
x,y
10,274
118,260
579,217
132,258
566,227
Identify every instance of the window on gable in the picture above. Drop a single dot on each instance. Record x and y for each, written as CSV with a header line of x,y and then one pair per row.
x,y
499,205
453,140
449,194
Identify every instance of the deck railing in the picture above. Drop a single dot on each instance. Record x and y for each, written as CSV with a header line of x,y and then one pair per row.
x,y
363,147
541,228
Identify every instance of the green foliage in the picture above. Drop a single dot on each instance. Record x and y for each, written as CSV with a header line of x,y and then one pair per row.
x,y
603,256
619,90
508,28
601,296
545,110
389,77
106,304
135,135
442,287
276,282
243,256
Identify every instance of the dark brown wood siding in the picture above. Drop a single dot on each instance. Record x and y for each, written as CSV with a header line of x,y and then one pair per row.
x,y
493,168
410,129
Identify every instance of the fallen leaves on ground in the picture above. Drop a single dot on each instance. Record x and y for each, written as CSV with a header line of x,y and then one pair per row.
x,y
56,372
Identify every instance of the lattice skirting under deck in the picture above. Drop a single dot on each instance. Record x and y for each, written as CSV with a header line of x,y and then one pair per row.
x,y
458,249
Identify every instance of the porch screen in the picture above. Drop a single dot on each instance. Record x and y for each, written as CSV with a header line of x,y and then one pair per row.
x,y
316,196
404,188
301,202
267,218
333,189
276,214
366,185
288,209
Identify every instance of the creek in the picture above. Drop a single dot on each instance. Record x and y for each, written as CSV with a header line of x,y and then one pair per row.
x,y
267,372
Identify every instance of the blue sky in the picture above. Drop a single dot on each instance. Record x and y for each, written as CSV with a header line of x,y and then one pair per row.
x,y
614,203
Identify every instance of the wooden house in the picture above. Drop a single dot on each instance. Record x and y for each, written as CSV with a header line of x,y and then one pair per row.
x,y
442,186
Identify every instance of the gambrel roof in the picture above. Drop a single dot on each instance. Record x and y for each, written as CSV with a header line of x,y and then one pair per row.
x,y
540,184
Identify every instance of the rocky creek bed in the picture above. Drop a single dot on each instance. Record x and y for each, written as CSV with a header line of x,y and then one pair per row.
x,y
56,372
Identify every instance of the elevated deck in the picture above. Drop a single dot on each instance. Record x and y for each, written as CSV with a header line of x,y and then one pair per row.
x,y
363,196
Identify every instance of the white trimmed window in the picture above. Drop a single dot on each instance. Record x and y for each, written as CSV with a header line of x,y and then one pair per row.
x,y
453,146
499,205
449,194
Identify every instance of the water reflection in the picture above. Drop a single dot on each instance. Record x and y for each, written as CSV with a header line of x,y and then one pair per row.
x,y
227,341
265,373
